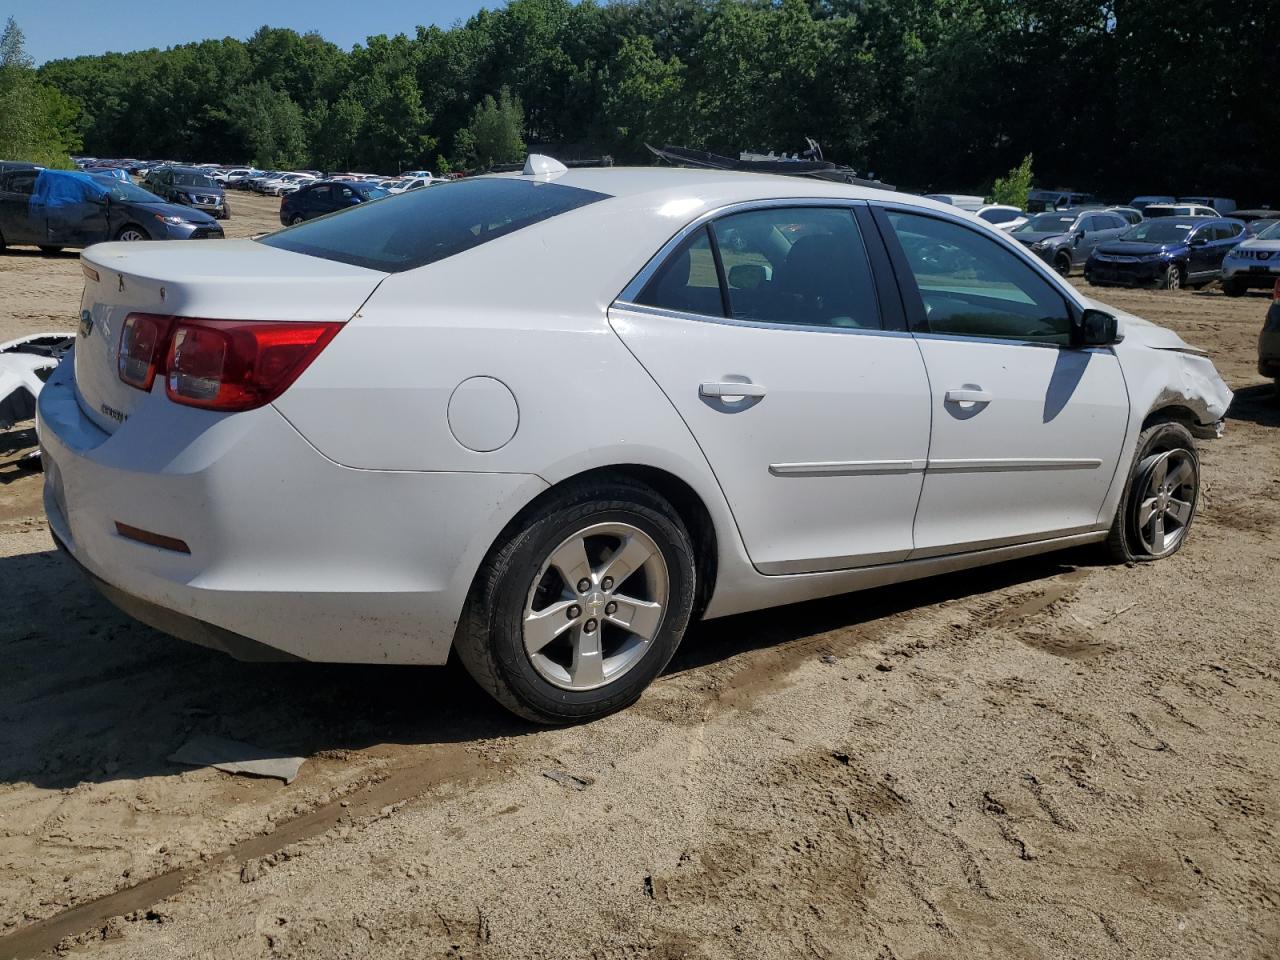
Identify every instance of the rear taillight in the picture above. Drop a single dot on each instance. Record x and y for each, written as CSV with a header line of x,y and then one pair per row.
x,y
239,364
144,340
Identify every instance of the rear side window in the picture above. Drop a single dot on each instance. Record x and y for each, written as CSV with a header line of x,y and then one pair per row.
x,y
796,266
414,229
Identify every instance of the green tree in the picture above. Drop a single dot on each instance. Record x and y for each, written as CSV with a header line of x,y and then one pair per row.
x,y
271,126
494,134
37,122
1013,189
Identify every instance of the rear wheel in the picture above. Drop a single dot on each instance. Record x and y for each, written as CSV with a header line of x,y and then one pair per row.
x,y
130,233
579,608
295,219
1174,278
1160,497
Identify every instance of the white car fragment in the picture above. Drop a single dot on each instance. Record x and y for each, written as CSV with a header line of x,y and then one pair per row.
x,y
25,365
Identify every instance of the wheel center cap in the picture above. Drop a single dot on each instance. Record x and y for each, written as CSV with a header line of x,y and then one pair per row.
x,y
595,603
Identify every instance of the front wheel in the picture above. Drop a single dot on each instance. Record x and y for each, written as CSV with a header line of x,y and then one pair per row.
x,y
1062,263
1173,278
130,234
1160,497
1233,288
295,219
577,609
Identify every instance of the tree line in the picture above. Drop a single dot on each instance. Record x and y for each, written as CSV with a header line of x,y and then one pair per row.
x,y
1117,96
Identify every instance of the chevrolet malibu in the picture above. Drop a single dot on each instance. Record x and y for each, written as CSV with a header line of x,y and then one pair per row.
x,y
546,421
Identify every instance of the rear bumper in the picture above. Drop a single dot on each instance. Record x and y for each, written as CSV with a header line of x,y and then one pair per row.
x,y
292,555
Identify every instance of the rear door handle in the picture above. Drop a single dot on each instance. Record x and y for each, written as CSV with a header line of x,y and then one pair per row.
x,y
968,395
731,388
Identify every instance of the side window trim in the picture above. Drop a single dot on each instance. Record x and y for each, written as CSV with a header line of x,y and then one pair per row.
x,y
917,319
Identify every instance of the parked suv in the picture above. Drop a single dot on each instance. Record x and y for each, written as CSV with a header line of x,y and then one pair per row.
x,y
1064,240
190,187
1254,263
316,199
52,209
1168,252
1153,211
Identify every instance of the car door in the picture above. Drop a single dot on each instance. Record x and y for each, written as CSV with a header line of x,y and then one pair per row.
x,y
18,222
1225,237
79,218
1027,431
1200,259
766,330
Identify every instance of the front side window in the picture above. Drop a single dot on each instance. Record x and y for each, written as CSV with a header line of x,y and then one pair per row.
x,y
970,285
797,266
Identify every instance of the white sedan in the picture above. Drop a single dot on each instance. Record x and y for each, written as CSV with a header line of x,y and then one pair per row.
x,y
549,420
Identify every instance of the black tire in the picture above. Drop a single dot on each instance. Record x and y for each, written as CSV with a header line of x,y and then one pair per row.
x,y
1062,264
1233,288
295,220
1123,543
50,249
1175,277
128,229
490,638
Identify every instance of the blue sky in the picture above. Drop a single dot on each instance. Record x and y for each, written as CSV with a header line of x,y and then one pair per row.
x,y
69,28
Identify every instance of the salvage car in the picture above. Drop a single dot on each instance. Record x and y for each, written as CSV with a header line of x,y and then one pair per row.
x,y
53,209
557,443
1065,239
316,199
191,187
1001,216
1254,263
1170,253
1269,341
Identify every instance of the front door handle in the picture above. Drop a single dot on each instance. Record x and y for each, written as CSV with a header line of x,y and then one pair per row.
x,y
731,388
968,395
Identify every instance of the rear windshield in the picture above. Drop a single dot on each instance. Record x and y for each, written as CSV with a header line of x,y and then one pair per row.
x,y
422,226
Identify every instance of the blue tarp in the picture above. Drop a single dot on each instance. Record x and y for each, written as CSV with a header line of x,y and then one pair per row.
x,y
62,188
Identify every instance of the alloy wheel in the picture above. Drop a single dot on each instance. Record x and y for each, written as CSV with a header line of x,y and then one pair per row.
x,y
1173,278
131,235
595,606
1163,510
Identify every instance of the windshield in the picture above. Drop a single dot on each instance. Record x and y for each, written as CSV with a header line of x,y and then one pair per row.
x,y
119,190
1159,231
1272,232
1046,223
425,226
192,180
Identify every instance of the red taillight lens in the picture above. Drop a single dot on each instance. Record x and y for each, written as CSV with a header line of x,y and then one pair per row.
x,y
144,340
237,364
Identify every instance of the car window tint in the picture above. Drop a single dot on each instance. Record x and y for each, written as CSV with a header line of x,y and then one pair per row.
x,y
970,285
687,282
425,226
23,182
797,265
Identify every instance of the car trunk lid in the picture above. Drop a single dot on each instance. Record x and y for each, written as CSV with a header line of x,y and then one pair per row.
x,y
222,280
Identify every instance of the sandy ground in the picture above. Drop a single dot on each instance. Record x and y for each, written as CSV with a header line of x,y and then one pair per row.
x,y
1046,759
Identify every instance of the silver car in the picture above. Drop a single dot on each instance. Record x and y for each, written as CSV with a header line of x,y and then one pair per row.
x,y
1253,264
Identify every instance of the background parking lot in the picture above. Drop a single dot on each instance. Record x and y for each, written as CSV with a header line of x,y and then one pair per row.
x,y
1051,758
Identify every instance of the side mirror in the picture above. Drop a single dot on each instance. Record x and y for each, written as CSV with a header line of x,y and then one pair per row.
x,y
1095,328
1077,237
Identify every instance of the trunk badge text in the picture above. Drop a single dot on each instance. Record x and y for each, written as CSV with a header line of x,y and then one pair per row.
x,y
119,416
